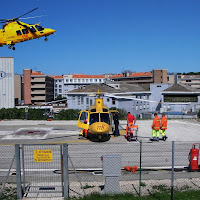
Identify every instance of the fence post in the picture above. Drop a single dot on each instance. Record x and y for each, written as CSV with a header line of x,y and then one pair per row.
x,y
18,171
172,183
140,168
65,170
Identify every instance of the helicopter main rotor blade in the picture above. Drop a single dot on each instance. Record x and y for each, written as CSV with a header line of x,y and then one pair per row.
x,y
26,13
3,20
32,17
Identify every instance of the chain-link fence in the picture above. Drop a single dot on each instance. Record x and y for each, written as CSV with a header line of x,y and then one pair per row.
x,y
145,168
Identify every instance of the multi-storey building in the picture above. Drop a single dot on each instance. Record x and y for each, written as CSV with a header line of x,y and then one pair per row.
x,y
66,83
38,87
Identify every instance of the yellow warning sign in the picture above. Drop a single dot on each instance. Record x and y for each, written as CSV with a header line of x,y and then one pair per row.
x,y
43,155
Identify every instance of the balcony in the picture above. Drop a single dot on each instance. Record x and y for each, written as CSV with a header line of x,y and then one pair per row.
x,y
38,92
38,85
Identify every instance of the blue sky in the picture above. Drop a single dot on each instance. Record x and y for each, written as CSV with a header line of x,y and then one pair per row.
x,y
108,36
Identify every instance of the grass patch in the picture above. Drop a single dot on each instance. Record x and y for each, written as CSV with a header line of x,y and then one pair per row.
x,y
9,193
86,186
161,188
187,195
142,184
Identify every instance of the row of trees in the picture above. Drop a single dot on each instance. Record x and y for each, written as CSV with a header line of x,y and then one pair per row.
x,y
38,114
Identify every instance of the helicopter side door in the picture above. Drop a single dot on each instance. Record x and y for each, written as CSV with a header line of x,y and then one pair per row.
x,y
83,120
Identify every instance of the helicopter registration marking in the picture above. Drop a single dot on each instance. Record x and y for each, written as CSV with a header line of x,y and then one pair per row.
x,y
100,128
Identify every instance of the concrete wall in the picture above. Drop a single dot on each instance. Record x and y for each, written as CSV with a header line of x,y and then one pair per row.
x,y
6,82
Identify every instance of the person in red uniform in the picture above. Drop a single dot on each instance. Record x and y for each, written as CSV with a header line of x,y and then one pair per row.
x,y
130,118
130,121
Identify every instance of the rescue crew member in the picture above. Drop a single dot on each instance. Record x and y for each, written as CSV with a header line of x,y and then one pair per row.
x,y
116,122
155,127
130,118
130,121
163,126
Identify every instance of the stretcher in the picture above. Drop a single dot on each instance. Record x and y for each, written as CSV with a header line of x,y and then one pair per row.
x,y
131,132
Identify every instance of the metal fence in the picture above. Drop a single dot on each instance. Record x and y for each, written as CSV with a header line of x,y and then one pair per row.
x,y
76,169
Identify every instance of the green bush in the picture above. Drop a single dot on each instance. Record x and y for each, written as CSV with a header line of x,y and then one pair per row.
x,y
70,114
122,113
36,114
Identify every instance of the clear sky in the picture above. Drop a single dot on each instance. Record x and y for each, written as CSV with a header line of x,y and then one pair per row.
x,y
108,36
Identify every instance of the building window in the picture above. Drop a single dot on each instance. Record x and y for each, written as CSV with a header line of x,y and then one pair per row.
x,y
60,90
87,101
75,80
188,80
95,80
79,100
113,102
79,80
181,98
83,81
86,80
100,80
91,80
71,80
66,80
108,100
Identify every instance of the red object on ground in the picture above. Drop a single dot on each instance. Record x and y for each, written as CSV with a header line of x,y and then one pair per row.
x,y
194,158
49,119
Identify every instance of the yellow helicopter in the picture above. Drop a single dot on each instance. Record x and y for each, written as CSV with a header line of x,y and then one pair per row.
x,y
96,122
15,31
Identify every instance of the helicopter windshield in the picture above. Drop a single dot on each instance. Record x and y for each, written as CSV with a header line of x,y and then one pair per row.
x,y
105,118
39,28
94,118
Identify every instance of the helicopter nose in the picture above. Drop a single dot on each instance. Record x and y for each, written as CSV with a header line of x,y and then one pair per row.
x,y
49,31
99,127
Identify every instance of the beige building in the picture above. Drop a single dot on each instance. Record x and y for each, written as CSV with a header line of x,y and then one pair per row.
x,y
38,87
160,76
190,80
18,88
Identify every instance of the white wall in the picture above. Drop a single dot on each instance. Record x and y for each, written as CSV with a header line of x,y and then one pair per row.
x,y
6,82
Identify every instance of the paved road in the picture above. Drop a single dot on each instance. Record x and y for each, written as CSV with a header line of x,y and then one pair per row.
x,y
87,155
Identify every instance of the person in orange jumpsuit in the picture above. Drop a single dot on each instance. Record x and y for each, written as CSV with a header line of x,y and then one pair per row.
x,y
163,126
155,127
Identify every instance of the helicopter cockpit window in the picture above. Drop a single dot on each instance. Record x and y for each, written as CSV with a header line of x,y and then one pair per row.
x,y
19,32
84,117
25,31
105,118
39,28
93,110
32,29
105,110
94,118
